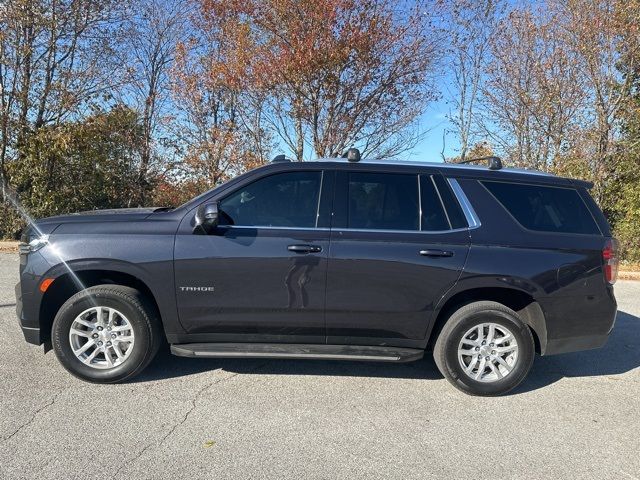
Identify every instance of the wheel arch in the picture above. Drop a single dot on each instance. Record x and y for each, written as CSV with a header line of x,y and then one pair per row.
x,y
521,302
71,282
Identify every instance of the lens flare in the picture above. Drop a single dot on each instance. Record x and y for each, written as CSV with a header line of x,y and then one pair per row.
x,y
12,199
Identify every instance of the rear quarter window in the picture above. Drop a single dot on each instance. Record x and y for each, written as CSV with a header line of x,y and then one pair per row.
x,y
544,208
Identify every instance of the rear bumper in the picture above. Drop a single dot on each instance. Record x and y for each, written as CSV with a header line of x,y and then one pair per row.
x,y
578,323
575,344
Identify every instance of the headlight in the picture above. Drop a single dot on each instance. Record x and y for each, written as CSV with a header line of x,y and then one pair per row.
x,y
34,244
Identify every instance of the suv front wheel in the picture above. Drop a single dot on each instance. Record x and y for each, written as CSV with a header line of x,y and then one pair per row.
x,y
484,349
106,333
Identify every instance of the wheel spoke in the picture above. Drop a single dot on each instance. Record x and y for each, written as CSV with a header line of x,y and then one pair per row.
x,y
91,356
492,330
480,333
471,351
501,340
507,349
467,341
80,333
121,328
495,370
483,364
472,364
99,315
111,315
502,362
84,322
84,347
118,352
125,338
107,357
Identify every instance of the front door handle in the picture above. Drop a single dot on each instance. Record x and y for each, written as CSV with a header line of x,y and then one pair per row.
x,y
436,253
304,248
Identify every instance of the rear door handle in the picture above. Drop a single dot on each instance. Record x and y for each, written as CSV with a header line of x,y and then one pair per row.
x,y
436,253
304,248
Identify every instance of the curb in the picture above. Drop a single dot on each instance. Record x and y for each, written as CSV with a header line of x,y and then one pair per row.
x,y
9,246
629,275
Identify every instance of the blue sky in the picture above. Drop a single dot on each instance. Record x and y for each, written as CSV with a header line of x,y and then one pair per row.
x,y
434,122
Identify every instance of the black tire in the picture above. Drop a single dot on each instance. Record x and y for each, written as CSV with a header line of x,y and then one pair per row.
x,y
445,352
139,312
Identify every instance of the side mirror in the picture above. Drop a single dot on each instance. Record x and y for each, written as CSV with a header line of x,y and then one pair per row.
x,y
207,217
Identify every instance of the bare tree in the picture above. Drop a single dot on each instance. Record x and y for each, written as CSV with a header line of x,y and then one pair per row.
x,y
54,61
533,98
151,36
596,33
470,26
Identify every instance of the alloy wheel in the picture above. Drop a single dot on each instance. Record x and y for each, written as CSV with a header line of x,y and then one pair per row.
x,y
488,352
101,337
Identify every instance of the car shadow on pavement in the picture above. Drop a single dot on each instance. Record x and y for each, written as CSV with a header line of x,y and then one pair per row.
x,y
621,354
168,366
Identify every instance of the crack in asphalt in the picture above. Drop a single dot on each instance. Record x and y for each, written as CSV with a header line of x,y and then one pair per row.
x,y
185,417
33,416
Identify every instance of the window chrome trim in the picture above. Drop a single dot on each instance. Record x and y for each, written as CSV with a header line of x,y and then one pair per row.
x,y
266,227
372,230
319,197
337,229
420,204
467,208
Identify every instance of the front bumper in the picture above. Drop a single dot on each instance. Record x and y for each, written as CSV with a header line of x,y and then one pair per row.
x,y
31,334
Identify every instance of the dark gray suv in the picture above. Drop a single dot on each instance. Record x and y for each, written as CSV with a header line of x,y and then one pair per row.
x,y
331,259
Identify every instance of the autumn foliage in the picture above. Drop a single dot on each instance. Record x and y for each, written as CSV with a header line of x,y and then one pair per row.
x,y
326,75
108,103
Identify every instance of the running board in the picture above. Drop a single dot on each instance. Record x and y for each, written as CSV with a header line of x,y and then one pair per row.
x,y
296,351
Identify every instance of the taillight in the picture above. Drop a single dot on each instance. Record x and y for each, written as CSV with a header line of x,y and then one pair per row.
x,y
610,259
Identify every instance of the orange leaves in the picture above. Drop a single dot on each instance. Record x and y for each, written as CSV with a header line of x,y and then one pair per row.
x,y
326,73
270,42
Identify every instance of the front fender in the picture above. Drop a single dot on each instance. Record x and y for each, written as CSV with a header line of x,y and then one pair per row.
x,y
146,257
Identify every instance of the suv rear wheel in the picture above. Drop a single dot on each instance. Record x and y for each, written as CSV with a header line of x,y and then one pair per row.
x,y
106,334
484,349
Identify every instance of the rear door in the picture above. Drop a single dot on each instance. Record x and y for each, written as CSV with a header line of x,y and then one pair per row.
x,y
395,250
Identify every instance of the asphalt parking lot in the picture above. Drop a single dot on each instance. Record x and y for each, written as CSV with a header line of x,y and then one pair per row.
x,y
576,416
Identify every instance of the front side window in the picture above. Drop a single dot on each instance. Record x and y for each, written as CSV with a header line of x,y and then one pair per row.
x,y
281,200
383,201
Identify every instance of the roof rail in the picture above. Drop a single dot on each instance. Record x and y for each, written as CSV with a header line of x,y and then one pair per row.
x,y
495,163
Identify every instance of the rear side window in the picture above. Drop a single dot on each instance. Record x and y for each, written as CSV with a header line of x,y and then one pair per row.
x,y
383,201
434,217
544,208
454,212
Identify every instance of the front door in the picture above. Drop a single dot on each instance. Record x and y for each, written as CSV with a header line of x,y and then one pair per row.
x,y
260,276
395,251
